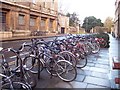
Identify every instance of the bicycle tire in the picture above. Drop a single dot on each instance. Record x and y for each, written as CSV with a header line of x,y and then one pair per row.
x,y
28,49
103,44
82,60
16,86
31,63
29,78
87,49
69,57
48,69
6,71
96,48
62,69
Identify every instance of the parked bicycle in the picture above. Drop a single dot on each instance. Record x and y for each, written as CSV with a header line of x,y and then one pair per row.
x,y
54,63
21,73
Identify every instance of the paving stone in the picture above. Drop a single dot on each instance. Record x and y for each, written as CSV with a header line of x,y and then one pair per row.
x,y
76,84
90,60
90,64
102,62
97,81
96,86
45,80
100,75
80,77
61,85
103,52
86,68
103,59
83,72
99,70
102,66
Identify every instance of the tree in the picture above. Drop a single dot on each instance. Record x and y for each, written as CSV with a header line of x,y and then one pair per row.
x,y
90,22
108,23
73,19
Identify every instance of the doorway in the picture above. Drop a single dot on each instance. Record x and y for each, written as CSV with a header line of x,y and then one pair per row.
x,y
62,30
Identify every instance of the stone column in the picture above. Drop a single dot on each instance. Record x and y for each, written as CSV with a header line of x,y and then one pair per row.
x,y
55,25
47,25
15,20
8,20
38,23
27,22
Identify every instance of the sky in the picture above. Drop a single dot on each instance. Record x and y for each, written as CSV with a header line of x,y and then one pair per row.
x,y
101,9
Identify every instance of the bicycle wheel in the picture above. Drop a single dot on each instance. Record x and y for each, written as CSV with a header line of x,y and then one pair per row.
x,y
65,70
69,57
95,48
87,49
33,64
28,50
103,44
82,59
6,71
15,86
29,78
51,65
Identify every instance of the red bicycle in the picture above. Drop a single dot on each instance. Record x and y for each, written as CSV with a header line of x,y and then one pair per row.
x,y
102,42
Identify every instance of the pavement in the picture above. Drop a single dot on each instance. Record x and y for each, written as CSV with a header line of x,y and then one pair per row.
x,y
94,75
97,74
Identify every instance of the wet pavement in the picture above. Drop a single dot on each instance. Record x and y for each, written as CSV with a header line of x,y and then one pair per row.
x,y
97,74
94,75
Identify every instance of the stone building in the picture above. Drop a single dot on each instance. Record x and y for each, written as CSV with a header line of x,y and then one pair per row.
x,y
117,19
23,17
99,29
63,23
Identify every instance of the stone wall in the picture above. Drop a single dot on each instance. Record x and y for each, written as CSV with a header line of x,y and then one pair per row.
x,y
18,33
5,34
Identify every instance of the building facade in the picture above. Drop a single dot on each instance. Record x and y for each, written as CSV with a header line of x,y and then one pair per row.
x,y
63,23
24,17
117,19
99,29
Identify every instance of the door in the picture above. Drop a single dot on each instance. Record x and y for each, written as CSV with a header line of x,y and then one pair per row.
x,y
62,30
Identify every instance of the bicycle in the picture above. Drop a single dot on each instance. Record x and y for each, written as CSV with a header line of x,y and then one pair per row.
x,y
22,74
8,75
7,83
55,64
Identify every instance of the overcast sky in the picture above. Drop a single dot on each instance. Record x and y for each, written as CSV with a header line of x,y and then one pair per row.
x,y
98,8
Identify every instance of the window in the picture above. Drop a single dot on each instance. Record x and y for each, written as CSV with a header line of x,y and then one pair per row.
x,y
21,19
2,21
32,21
